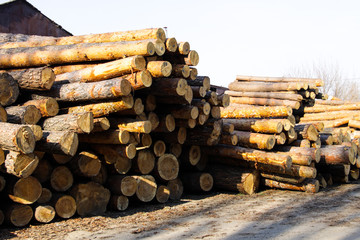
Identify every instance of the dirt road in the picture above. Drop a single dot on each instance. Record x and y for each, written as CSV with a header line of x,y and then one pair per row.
x,y
271,214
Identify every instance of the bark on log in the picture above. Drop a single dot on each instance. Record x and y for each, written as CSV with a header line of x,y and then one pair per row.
x,y
105,71
159,68
312,152
280,138
24,190
302,143
61,179
21,165
193,73
122,185
334,155
23,114
131,125
255,112
275,95
48,107
318,82
168,87
328,108
326,139
146,188
245,181
203,106
91,198
137,109
182,112
59,142
139,80
3,114
307,131
265,102
229,139
86,164
124,151
255,140
256,125
44,213
79,123
82,52
101,124
176,188
266,87
197,181
9,89
19,215
167,167
309,186
180,70
144,163
17,138
283,178
108,137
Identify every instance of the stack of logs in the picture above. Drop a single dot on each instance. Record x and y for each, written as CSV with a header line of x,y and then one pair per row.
x,y
271,149
96,122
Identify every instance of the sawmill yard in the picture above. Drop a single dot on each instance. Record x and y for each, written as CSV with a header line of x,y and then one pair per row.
x,y
333,213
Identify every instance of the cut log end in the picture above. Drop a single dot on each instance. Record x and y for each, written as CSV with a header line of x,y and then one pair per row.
x,y
145,162
146,188
47,78
171,44
176,189
119,203
65,206
162,194
159,148
44,214
26,190
128,186
61,179
20,215
206,182
168,167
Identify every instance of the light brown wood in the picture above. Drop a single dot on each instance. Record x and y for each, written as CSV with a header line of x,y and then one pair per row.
x,y
274,95
107,137
3,114
59,142
144,163
168,87
180,70
203,106
184,48
146,188
162,194
193,73
301,143
256,125
61,179
265,102
329,108
81,52
159,148
171,44
23,114
131,125
24,190
280,138
159,68
160,47
197,181
122,185
255,112
176,188
17,138
309,186
91,198
255,140
44,213
119,202
65,206
167,167
9,89
48,107
19,215
85,164
79,123
312,152
21,165
336,154
266,87
137,109
139,80
307,131
101,124
40,79
318,82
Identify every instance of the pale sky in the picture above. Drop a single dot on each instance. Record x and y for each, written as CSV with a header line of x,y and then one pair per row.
x,y
253,37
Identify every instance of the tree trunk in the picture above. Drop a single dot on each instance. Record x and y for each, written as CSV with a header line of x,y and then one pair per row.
x,y
176,189
146,188
280,138
312,152
79,123
180,70
23,114
107,137
255,140
44,213
122,185
24,190
86,164
197,181
309,186
61,179
21,165
81,52
48,107
245,181
125,151
181,111
307,131
105,71
265,101
256,125
274,95
91,198
19,215
166,124
9,89
144,163
17,138
337,155
203,106
137,109
58,142
301,143
167,167
255,112
328,108
190,155
299,159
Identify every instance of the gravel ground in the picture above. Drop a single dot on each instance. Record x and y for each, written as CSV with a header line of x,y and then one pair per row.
x,y
333,213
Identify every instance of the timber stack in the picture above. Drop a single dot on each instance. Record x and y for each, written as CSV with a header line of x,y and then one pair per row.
x,y
99,121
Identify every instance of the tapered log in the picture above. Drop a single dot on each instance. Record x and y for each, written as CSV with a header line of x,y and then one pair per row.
x,y
256,125
274,95
133,35
17,138
167,167
197,181
255,112
19,215
131,125
159,68
340,170
318,82
74,92
265,101
223,100
227,127
266,87
86,164
307,131
333,155
122,185
71,68
144,163
291,135
105,108
201,120
328,108
79,123
169,87
21,165
319,126
159,148
193,73
91,198
118,202
191,155
255,140
23,114
105,71
65,205
45,196
245,181
61,179
252,155
171,44
9,89
146,188
139,80
82,52
180,70
24,190
315,154
310,185
299,159
59,142
201,81
44,213
37,130
283,178
302,143
176,188
324,116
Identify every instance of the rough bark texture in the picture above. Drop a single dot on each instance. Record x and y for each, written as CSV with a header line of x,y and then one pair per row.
x,y
197,181
79,123
255,112
9,89
59,142
17,138
23,114
48,107
21,165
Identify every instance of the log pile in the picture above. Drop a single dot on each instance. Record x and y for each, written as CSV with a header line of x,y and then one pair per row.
x,y
101,121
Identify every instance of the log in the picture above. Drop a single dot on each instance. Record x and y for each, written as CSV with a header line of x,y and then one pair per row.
x,y
274,95
309,186
328,108
86,164
307,131
45,196
144,163
280,138
299,159
65,206
24,190
256,125
59,142
229,139
291,135
61,179
245,181
105,71
324,116
3,115
198,92
105,108
102,176
44,213
79,91
162,194
91,198
9,89
174,99
23,114
159,68
167,167
266,87
255,112
122,185
176,189
312,152
107,137
354,124
255,140
197,181
139,80
146,188
79,123
159,47
193,73
183,48
168,87
125,151
180,70
316,144
19,215
182,112
17,138
21,165
175,149
137,109
203,106
334,155
318,82
119,202
301,143
48,107
171,44
101,124
283,178
159,148
82,52
131,125
326,139
43,170
40,79
133,35
191,155
150,103
265,101
252,155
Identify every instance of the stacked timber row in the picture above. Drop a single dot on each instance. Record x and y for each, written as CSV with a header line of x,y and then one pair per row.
x,y
97,122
